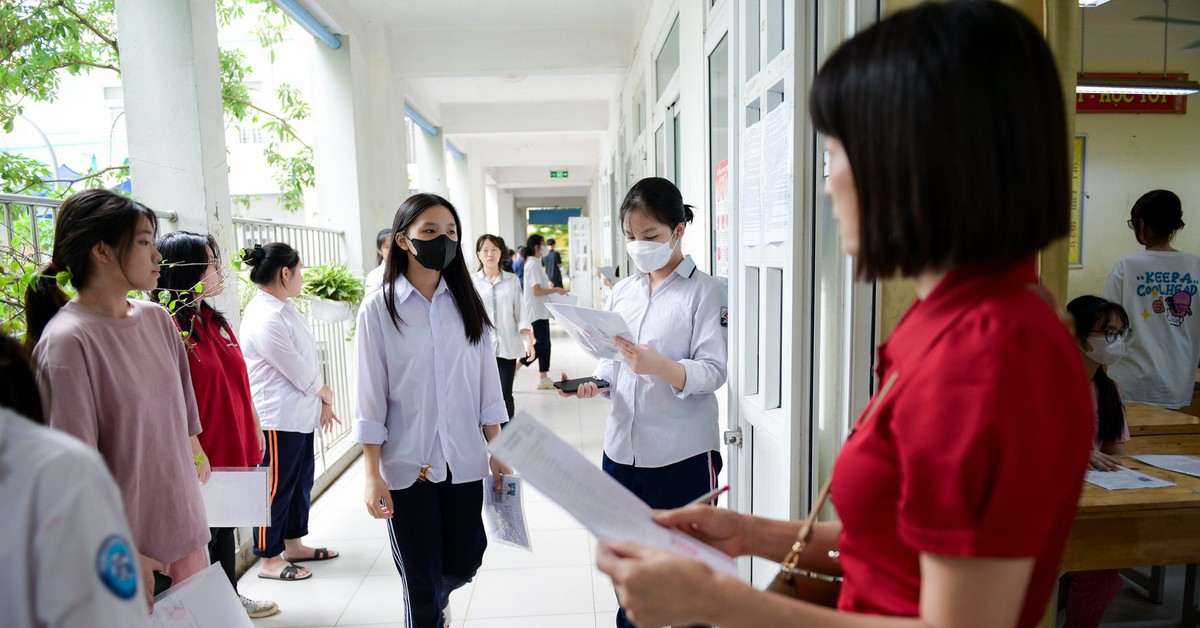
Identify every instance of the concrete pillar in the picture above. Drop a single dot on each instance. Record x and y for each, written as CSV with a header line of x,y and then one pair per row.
x,y
473,209
506,214
492,207
170,73
431,159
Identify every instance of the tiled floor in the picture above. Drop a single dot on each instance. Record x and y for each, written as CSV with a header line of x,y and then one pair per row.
x,y
555,586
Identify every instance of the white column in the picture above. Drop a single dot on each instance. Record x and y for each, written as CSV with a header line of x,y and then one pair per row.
x,y
492,204
507,214
175,123
431,159
473,212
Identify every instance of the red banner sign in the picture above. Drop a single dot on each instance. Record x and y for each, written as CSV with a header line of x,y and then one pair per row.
x,y
1130,103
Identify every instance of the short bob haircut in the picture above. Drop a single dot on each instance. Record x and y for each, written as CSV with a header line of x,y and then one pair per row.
x,y
954,124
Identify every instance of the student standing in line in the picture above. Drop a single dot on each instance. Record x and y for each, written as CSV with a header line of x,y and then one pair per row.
x,y
538,289
292,400
375,278
1101,328
114,373
1158,286
552,262
661,440
946,134
59,569
232,436
501,294
427,386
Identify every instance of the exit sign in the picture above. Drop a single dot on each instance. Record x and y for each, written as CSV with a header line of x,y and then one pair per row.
x,y
558,174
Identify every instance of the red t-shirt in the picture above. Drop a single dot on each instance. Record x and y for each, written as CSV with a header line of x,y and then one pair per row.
x,y
979,448
222,394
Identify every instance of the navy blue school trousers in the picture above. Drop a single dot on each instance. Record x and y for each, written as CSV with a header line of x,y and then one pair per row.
x,y
672,486
290,457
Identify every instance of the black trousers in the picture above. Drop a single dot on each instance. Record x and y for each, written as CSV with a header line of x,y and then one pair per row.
x,y
290,458
541,344
437,544
508,372
223,549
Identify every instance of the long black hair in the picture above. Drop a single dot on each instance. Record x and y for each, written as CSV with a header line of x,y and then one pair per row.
x,y
185,261
494,239
86,218
659,199
458,278
532,244
18,388
1087,311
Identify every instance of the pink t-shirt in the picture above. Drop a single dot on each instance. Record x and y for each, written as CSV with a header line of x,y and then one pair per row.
x,y
122,385
1097,444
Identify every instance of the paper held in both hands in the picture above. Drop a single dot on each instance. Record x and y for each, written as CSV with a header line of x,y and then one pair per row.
x,y
585,491
595,330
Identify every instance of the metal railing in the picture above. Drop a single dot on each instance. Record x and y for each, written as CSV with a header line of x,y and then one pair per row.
x,y
316,245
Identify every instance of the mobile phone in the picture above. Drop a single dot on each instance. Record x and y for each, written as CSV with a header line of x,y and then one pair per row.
x,y
162,582
572,385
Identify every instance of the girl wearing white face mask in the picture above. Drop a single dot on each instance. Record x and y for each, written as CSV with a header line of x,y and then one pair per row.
x,y
661,441
1101,329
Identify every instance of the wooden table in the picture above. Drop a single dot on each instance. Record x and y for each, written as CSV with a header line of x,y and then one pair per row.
x,y
1116,529
1157,430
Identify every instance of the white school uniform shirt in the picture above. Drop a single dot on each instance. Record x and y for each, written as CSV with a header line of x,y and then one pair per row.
x,y
1158,289
281,358
67,560
375,278
654,424
535,275
424,390
505,307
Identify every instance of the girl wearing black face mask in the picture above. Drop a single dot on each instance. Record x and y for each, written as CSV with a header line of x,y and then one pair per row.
x,y
427,385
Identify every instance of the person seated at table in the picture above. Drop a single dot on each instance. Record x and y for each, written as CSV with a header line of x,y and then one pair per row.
x,y
1101,328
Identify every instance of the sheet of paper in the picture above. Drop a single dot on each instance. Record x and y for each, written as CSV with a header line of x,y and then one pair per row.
x,y
1124,479
565,299
594,330
203,601
750,212
1187,465
609,272
237,498
504,512
585,491
777,174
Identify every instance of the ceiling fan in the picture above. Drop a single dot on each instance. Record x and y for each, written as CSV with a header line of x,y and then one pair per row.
x,y
1177,21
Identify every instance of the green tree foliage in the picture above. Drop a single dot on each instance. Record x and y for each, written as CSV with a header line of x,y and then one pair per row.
x,y
38,38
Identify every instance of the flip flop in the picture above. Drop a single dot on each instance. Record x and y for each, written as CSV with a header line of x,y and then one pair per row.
x,y
320,553
289,573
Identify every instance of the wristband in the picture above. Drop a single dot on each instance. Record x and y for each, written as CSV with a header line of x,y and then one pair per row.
x,y
198,458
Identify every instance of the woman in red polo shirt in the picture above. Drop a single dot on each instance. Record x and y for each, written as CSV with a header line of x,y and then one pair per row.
x,y
232,436
946,136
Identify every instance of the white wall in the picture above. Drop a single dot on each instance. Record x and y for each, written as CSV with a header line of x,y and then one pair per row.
x,y
1128,155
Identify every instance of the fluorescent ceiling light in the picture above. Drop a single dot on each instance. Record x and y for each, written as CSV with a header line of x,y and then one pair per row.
x,y
1090,4
1150,86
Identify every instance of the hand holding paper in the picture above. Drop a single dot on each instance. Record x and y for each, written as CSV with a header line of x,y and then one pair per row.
x,y
595,330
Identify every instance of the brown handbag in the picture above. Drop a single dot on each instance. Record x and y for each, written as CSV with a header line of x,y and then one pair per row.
x,y
806,585
802,584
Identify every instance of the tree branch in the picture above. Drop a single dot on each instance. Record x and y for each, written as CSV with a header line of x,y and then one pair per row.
x,y
91,27
103,66
71,182
288,125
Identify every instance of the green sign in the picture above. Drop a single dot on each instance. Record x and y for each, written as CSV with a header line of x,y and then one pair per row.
x,y
558,174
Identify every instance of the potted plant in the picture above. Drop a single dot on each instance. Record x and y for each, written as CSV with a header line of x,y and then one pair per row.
x,y
334,292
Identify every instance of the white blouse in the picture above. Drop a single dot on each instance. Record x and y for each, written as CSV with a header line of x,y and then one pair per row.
x,y
504,304
284,367
535,275
424,390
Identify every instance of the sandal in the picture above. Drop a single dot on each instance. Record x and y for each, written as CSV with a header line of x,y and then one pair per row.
x,y
291,572
320,553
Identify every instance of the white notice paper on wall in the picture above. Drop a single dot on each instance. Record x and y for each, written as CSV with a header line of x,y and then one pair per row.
x,y
1187,465
602,505
777,174
236,497
205,600
750,213
1124,479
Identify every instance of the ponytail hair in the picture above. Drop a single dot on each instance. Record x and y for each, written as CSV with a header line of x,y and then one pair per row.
x,y
84,220
532,244
18,388
265,261
1087,310
659,199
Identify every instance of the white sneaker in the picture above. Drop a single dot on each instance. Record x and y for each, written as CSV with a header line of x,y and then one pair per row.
x,y
256,609
446,616
546,384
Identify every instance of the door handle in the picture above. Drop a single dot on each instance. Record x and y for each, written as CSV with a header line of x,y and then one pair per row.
x,y
733,437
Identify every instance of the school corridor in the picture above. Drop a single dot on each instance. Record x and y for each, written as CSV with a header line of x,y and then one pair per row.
x,y
556,586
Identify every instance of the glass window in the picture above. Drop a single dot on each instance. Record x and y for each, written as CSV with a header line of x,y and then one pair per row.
x,y
718,155
660,151
675,154
668,59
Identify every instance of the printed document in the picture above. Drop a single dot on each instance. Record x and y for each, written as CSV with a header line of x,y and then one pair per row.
x,y
594,330
237,497
504,512
1123,479
205,600
599,502
1187,465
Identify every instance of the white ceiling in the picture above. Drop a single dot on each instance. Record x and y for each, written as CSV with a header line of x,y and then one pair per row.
x,y
515,83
